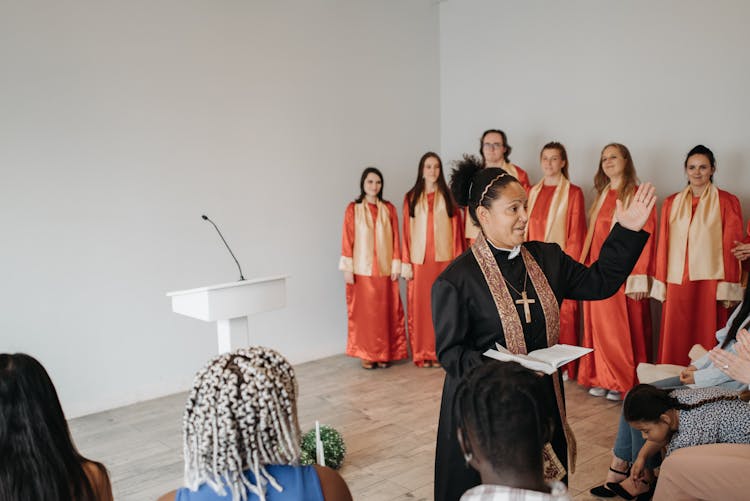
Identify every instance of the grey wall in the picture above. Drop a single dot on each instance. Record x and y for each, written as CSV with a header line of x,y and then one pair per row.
x,y
659,77
122,122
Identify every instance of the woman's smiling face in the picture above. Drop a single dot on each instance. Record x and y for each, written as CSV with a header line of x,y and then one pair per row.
x,y
504,223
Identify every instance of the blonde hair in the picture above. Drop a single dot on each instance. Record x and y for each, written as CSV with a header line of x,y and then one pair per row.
x,y
241,414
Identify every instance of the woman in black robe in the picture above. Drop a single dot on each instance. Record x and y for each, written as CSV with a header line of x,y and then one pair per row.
x,y
466,307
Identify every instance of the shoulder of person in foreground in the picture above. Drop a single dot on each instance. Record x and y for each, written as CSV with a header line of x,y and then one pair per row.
x,y
99,480
332,484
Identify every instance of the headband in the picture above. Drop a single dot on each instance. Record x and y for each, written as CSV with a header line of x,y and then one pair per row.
x,y
489,185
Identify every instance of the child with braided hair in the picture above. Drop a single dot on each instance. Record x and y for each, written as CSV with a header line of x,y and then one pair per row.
x,y
241,434
700,415
504,424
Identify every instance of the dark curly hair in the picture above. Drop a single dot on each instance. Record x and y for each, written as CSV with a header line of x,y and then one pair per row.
x,y
473,185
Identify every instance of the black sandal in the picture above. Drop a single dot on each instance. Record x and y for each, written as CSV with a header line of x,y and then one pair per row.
x,y
620,491
603,491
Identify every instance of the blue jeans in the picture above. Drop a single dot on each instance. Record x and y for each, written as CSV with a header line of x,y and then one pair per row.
x,y
629,441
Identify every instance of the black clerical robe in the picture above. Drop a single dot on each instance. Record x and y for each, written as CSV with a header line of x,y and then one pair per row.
x,y
467,324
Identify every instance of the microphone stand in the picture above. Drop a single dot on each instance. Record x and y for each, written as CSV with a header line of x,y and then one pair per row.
x,y
206,218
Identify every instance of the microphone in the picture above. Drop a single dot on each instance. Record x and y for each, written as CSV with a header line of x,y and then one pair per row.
x,y
205,218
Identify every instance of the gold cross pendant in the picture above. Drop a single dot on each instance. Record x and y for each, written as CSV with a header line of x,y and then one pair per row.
x,y
526,302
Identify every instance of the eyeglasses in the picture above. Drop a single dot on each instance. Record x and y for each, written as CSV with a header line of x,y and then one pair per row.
x,y
492,146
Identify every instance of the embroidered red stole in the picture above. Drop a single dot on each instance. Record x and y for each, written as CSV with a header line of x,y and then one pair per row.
x,y
514,337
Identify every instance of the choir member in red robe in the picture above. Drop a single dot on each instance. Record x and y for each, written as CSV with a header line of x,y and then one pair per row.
x,y
697,276
618,328
432,238
495,152
370,260
557,214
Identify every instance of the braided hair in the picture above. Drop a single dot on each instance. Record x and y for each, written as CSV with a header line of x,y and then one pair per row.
x,y
500,410
241,414
473,185
647,403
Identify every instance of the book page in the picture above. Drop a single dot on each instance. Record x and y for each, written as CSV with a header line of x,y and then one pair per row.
x,y
504,355
559,354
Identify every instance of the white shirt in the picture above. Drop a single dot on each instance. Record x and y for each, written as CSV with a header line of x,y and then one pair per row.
x,y
487,492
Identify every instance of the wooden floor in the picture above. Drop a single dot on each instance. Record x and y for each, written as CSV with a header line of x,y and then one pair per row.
x,y
388,418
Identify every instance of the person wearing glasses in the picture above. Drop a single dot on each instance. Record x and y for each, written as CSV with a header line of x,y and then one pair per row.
x,y
495,152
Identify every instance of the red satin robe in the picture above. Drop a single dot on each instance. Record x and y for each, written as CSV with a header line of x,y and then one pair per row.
x,y
373,304
690,313
419,289
618,328
523,178
575,223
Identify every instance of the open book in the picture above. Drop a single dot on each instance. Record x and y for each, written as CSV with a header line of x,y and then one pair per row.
x,y
546,360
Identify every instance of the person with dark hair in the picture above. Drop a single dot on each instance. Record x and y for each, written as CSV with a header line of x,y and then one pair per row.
x,y
371,262
684,417
494,151
241,436
432,239
697,276
38,459
619,329
503,422
704,372
557,214
507,291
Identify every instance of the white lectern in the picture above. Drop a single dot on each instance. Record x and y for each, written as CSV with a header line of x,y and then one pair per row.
x,y
230,304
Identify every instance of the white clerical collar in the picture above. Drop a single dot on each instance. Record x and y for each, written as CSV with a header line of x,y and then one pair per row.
x,y
513,252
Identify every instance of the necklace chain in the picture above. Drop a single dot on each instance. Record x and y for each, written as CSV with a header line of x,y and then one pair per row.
x,y
525,280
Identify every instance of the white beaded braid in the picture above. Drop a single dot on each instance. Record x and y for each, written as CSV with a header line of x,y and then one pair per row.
x,y
241,415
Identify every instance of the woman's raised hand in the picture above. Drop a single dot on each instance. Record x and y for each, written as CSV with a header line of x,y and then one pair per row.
x,y
635,216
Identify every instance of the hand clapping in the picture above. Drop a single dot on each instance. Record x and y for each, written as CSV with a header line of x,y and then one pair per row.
x,y
635,216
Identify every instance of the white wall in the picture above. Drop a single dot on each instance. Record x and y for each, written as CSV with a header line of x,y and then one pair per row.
x,y
122,122
659,77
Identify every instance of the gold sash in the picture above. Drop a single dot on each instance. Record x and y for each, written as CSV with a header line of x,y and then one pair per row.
x,y
514,336
556,228
510,169
593,214
442,228
697,235
365,238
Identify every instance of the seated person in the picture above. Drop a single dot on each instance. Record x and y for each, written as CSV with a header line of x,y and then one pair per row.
x,y
708,472
736,366
503,427
241,437
703,373
685,417
38,458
